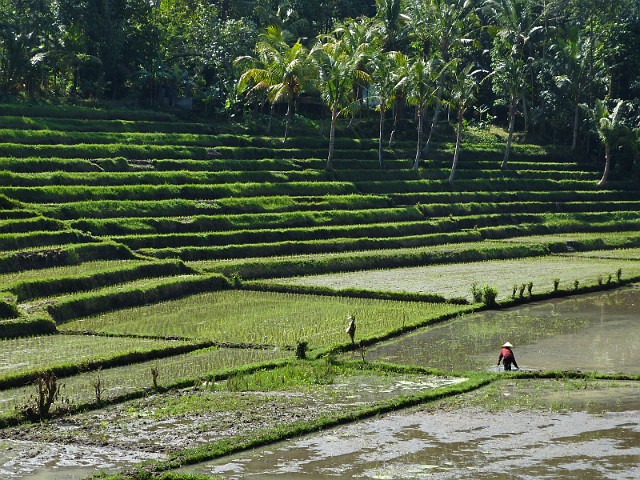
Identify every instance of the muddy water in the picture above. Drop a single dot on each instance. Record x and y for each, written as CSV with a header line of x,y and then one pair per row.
x,y
594,332
58,461
120,436
469,443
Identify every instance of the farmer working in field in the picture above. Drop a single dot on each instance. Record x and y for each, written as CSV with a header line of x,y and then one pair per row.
x,y
507,357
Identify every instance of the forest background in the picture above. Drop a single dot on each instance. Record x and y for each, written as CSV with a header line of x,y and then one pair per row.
x,y
563,71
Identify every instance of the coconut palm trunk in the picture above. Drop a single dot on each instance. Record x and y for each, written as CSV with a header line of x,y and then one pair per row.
x,y
416,162
332,136
456,153
607,167
288,119
380,148
576,119
512,121
434,123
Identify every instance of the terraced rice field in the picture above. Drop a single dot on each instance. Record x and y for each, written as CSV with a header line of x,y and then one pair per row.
x,y
156,231
456,280
265,318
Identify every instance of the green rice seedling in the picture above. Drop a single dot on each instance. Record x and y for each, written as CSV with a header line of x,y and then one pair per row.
x,y
619,275
24,355
184,369
556,284
600,280
513,292
576,284
609,276
257,318
529,288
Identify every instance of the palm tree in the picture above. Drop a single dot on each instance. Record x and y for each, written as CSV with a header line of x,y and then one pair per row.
x,y
339,71
445,28
509,81
515,23
282,71
611,131
386,67
389,13
576,74
462,95
420,82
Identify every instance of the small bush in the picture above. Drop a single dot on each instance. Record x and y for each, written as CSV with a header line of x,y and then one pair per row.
x,y
556,284
489,295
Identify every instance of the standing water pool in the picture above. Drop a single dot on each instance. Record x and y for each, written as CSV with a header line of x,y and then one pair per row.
x,y
593,332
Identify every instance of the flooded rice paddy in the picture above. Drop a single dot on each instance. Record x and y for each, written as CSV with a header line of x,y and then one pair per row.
x,y
123,435
593,332
515,427
468,443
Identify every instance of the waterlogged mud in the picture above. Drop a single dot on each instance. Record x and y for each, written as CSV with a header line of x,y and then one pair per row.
x,y
120,436
594,332
486,434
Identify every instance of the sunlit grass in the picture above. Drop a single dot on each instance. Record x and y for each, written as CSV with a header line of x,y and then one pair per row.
x,y
264,318
21,355
67,270
119,381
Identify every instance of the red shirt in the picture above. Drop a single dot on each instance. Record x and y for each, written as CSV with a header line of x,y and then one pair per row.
x,y
507,354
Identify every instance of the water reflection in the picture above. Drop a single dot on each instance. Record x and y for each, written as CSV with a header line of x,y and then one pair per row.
x,y
594,332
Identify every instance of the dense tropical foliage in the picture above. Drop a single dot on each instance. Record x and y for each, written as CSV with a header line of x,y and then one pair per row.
x,y
546,63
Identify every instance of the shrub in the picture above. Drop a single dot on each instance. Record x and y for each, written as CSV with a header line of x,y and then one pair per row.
x,y
489,295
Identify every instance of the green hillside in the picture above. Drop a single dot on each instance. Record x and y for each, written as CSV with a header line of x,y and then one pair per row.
x,y
169,237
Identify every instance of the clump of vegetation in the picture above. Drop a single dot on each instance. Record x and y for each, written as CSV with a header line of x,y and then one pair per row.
x,y
515,289
319,372
529,288
301,350
619,275
576,284
489,295
521,290
47,392
476,293
556,284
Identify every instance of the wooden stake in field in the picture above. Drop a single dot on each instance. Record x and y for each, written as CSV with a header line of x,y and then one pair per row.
x,y
351,328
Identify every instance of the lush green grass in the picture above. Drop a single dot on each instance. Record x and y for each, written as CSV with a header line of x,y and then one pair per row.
x,y
81,269
265,318
456,280
23,355
125,380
